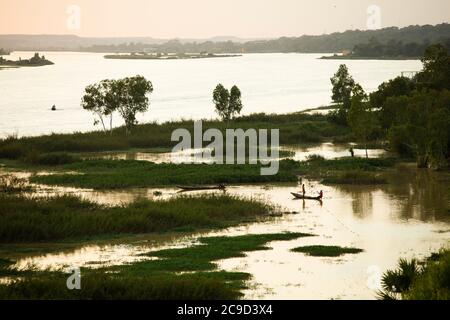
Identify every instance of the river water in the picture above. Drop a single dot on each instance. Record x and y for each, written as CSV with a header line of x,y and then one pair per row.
x,y
271,83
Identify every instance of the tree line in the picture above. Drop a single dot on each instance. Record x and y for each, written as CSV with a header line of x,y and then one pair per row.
x,y
411,37
413,114
394,48
130,96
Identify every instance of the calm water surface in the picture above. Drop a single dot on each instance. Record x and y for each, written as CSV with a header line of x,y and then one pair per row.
x,y
272,83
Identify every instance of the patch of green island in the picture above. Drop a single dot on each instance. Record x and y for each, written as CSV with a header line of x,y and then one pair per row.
x,y
35,61
182,273
168,56
357,57
326,251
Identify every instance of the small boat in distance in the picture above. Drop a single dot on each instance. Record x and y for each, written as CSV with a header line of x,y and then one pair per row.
x,y
301,196
200,187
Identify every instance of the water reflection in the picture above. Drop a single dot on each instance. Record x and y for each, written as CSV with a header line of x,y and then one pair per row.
x,y
299,153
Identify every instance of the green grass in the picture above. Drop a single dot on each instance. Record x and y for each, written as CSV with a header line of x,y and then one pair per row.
x,y
111,174
326,251
201,257
156,279
357,177
346,170
24,219
294,129
101,286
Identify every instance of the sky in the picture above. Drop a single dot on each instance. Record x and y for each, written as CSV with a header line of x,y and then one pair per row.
x,y
209,18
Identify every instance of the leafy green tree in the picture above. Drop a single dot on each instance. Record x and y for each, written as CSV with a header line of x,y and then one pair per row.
x,y
361,118
436,68
235,104
228,103
130,95
422,128
343,84
127,96
95,102
400,86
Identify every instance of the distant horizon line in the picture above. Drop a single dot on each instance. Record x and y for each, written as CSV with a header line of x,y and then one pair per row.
x,y
212,37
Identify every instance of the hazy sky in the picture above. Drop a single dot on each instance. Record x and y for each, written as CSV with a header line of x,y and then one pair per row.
x,y
207,18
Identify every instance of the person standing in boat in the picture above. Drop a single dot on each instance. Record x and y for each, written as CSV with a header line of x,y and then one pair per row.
x,y
303,190
320,195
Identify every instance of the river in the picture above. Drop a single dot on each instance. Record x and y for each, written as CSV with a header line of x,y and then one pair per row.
x,y
271,83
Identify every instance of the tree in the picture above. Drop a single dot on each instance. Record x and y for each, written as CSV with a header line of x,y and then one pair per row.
x,y
95,102
343,84
436,68
227,103
235,104
128,96
361,118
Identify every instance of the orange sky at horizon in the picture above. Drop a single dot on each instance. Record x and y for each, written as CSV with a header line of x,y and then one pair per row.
x,y
208,18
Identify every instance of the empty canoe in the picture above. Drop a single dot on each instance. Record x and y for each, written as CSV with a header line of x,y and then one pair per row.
x,y
194,188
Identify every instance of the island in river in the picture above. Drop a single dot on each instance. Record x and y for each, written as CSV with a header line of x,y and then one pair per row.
x,y
35,61
169,56
357,57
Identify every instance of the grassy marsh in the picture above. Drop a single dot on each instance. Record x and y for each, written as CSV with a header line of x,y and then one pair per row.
x,y
156,279
25,219
326,251
111,174
294,128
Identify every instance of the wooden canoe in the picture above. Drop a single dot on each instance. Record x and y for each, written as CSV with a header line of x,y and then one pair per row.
x,y
195,188
300,196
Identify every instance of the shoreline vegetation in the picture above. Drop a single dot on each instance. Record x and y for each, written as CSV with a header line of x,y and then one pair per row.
x,y
295,128
35,61
169,56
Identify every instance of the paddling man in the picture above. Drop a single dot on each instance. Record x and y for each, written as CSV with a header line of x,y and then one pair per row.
x,y
320,195
303,190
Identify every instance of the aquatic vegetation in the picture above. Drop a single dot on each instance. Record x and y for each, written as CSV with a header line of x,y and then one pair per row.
x,y
156,279
355,177
101,286
201,257
110,174
10,183
326,251
24,219
49,159
346,170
